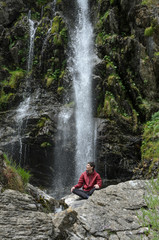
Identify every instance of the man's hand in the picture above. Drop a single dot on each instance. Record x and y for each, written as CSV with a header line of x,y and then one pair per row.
x,y
72,189
96,186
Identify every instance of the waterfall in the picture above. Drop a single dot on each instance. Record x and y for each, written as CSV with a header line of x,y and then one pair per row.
x,y
82,62
31,44
23,110
75,138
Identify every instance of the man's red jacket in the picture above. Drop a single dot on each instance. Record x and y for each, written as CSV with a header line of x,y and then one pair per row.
x,y
89,180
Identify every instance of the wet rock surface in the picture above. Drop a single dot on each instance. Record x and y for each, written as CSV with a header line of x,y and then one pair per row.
x,y
110,213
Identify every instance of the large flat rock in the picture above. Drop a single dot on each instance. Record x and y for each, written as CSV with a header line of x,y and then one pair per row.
x,y
110,213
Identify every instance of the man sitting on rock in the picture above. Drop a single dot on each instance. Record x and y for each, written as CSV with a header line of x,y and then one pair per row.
x,y
90,180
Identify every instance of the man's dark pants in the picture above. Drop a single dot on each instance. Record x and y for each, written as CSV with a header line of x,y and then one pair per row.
x,y
83,194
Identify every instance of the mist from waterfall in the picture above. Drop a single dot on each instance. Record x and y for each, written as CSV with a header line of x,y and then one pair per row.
x,y
63,166
81,66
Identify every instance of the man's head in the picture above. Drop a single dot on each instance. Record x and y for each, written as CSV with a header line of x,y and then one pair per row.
x,y
90,166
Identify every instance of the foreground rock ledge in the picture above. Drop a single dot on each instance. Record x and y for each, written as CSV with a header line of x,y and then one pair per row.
x,y
109,214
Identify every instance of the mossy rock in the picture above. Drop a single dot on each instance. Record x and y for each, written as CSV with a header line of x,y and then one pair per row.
x,y
149,31
45,145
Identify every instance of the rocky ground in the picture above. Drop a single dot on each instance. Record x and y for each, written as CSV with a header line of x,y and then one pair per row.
x,y
110,213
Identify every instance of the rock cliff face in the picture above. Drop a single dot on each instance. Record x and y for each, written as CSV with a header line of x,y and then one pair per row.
x,y
125,81
110,213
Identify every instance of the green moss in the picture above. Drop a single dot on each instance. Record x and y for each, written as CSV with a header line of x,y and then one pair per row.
x,y
55,25
57,40
149,2
70,105
105,16
5,99
49,81
99,110
112,78
41,2
99,39
53,77
59,31
109,63
58,1
45,144
60,90
42,122
3,4
110,105
15,77
63,34
149,31
156,54
145,106
62,74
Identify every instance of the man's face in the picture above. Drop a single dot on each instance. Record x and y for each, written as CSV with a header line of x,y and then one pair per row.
x,y
89,168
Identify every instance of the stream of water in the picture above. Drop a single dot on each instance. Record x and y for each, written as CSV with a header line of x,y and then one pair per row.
x,y
23,110
81,70
75,135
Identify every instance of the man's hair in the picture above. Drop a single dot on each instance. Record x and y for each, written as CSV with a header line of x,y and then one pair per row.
x,y
92,164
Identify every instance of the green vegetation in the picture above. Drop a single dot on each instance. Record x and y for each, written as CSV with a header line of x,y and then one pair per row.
x,y
150,143
42,122
109,62
60,90
8,86
49,81
156,54
149,2
149,31
5,99
70,105
42,2
58,1
45,144
52,77
15,77
59,31
110,105
111,2
15,177
149,216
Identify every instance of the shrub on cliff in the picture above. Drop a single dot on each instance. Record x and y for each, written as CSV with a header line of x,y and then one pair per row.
x,y
15,177
150,146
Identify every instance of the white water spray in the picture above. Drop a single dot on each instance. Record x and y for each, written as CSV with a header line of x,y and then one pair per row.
x,y
23,110
81,70
31,44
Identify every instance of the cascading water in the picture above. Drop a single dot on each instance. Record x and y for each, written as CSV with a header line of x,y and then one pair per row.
x,y
75,130
23,110
32,28
81,70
